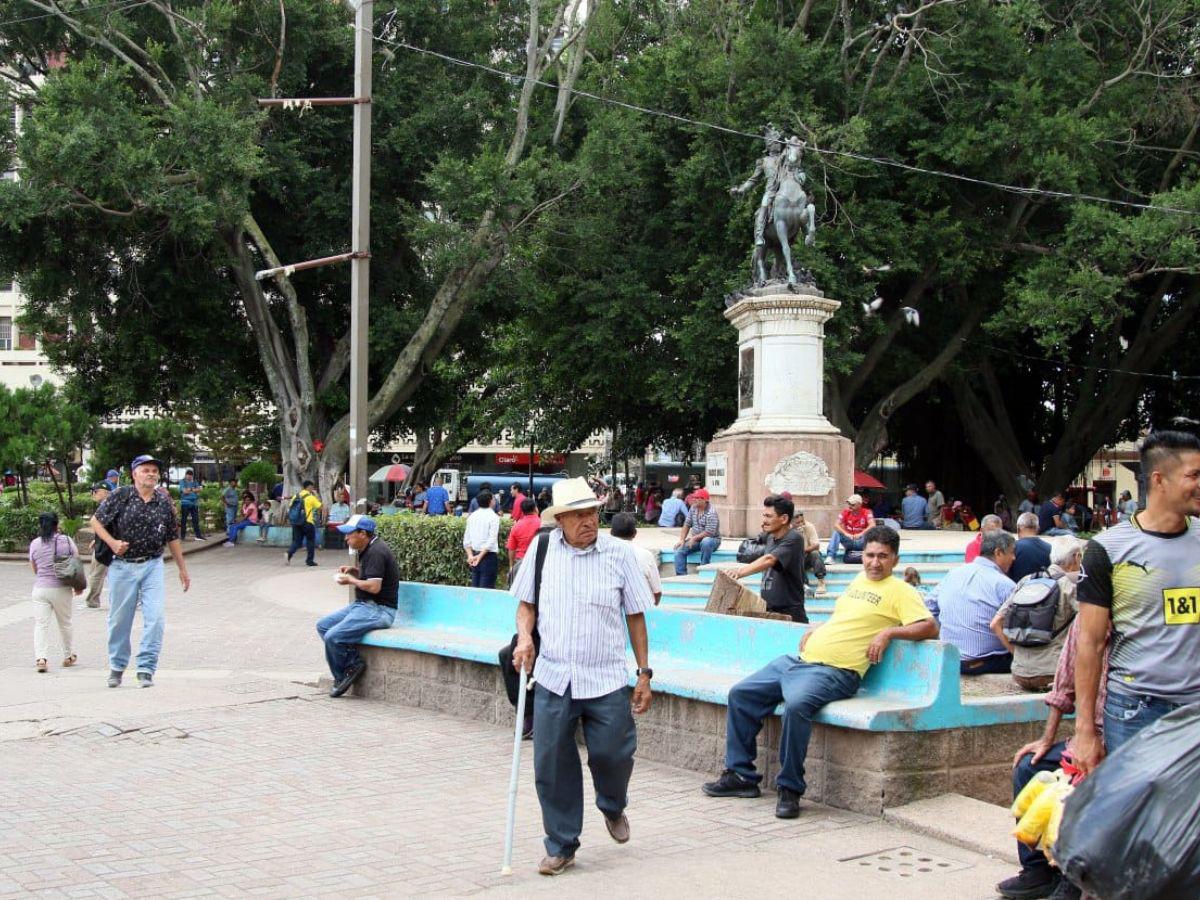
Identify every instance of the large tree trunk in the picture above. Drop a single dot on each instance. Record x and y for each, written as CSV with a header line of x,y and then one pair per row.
x,y
872,436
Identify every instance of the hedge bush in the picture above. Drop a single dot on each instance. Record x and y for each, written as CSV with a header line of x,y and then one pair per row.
x,y
430,548
18,526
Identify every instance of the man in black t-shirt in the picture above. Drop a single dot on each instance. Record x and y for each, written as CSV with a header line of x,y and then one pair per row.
x,y
782,564
376,581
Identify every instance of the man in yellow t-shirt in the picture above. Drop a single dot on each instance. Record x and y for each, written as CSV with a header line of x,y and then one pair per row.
x,y
875,609
305,532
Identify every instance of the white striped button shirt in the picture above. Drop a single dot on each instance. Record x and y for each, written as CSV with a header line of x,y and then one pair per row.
x,y
585,597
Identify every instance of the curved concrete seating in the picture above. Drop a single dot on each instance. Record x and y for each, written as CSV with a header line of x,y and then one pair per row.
x,y
699,656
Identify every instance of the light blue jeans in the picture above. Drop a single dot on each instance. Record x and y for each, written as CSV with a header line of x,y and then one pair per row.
x,y
707,546
128,585
342,629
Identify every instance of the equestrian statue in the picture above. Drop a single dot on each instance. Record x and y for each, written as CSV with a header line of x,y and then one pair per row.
x,y
784,208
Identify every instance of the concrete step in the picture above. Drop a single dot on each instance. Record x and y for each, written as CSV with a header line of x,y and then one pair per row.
x,y
907,558
963,821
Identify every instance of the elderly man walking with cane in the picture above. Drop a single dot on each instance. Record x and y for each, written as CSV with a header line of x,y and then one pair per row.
x,y
591,589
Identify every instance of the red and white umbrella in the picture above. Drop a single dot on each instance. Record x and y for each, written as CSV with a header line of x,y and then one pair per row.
x,y
394,472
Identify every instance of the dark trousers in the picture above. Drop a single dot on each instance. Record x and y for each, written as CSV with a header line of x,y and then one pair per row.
x,y
996,664
1032,859
611,739
803,689
185,513
814,562
512,681
304,534
795,611
483,575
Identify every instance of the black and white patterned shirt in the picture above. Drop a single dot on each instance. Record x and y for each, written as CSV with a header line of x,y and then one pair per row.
x,y
148,525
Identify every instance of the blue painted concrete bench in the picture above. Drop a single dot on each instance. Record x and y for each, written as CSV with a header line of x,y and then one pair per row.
x,y
699,655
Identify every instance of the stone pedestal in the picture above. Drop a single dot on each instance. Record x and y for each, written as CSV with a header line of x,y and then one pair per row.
x,y
781,440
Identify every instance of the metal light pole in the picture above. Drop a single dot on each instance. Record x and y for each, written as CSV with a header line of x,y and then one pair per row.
x,y
360,242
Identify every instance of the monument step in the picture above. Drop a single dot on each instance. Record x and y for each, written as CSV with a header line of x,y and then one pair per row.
x,y
907,558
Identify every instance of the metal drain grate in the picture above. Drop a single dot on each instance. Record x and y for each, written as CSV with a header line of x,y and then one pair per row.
x,y
905,862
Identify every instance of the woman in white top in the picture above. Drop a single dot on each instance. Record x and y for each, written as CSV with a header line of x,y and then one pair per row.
x,y
50,595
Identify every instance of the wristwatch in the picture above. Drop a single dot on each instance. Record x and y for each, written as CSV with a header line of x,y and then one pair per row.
x,y
648,672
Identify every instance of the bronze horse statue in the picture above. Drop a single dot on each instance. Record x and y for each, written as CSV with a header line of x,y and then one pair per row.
x,y
789,210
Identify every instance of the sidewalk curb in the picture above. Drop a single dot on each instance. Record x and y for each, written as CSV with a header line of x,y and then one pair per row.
x,y
980,827
188,549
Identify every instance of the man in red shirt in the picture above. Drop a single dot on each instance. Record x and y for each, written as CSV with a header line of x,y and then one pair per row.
x,y
517,499
852,524
988,523
522,534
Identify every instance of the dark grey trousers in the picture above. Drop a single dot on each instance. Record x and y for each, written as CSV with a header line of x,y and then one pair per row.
x,y
611,739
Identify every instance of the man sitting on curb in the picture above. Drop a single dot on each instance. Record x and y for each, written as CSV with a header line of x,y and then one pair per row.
x,y
967,599
849,531
874,609
376,581
701,531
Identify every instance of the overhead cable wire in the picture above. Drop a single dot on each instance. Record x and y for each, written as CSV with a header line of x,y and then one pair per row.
x,y
96,7
845,154
1173,376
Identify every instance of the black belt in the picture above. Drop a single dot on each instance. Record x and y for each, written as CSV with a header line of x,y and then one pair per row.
x,y
139,559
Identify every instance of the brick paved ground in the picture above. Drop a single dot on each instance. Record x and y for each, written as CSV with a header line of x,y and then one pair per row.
x,y
233,777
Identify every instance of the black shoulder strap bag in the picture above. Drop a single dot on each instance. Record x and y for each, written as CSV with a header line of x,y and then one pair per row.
x,y
507,672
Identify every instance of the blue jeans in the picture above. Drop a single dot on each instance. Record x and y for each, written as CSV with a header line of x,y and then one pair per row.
x,y
803,688
839,542
238,527
304,534
484,574
1127,714
1032,859
189,512
611,739
128,585
342,630
230,515
923,525
706,548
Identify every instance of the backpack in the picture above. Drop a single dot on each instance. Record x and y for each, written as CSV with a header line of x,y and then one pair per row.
x,y
751,549
1029,621
296,515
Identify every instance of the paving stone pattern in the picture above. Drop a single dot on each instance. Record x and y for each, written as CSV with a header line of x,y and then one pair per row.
x,y
313,797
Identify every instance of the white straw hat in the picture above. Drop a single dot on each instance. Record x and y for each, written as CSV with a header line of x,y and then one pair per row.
x,y
569,495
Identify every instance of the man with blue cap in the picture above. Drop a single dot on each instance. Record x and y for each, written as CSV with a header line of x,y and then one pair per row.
x,y
376,581
137,522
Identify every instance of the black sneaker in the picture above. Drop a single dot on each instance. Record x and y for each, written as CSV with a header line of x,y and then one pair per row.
x,y
731,784
114,678
347,680
527,729
788,804
1029,884
1066,891
313,564
145,679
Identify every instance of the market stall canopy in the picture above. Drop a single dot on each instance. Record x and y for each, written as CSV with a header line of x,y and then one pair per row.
x,y
863,480
395,472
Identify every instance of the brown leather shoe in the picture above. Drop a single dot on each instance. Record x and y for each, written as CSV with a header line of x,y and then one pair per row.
x,y
555,865
618,828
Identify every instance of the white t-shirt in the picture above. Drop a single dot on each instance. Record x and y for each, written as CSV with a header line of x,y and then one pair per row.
x,y
649,566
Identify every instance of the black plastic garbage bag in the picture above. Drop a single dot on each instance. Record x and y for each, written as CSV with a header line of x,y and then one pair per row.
x,y
1131,830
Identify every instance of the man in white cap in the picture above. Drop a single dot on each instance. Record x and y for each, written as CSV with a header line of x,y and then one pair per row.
x,y
591,590
376,581
852,523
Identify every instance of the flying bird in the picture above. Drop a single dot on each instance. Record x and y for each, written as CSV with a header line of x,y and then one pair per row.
x,y
911,316
873,307
1124,342
868,270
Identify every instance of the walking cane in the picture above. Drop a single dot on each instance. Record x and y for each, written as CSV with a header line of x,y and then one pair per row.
x,y
523,686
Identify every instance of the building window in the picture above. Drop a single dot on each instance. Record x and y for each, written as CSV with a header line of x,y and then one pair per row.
x,y
5,334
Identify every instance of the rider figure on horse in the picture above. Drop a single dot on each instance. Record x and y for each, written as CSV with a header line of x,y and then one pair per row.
x,y
767,168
